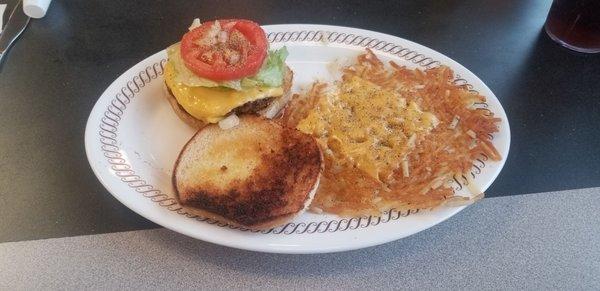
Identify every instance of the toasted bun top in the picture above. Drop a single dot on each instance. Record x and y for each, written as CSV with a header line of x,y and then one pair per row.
x,y
251,174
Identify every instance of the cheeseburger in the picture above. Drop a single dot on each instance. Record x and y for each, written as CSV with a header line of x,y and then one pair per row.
x,y
224,68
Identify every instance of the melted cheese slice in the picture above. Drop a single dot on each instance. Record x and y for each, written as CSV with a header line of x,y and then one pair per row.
x,y
372,127
212,104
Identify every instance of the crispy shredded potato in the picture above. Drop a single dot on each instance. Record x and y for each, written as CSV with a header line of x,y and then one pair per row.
x,y
428,160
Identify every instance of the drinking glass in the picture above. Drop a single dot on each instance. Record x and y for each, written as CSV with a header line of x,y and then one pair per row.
x,y
575,24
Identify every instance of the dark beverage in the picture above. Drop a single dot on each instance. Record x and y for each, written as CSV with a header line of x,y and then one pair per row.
x,y
575,24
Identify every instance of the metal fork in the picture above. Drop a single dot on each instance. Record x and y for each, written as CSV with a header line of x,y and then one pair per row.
x,y
17,22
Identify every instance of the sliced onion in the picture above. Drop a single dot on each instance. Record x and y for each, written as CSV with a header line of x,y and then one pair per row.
x,y
271,110
229,122
196,23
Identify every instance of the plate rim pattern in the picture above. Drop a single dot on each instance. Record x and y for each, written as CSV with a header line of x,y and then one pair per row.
x,y
112,115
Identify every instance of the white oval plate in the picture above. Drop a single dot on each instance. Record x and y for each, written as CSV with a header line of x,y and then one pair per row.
x,y
133,137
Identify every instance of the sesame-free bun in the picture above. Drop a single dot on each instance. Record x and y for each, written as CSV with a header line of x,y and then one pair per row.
x,y
256,175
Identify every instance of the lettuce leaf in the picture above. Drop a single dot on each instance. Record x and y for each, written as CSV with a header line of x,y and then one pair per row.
x,y
272,71
270,74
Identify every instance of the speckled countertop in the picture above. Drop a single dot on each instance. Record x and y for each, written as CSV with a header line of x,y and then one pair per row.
x,y
536,241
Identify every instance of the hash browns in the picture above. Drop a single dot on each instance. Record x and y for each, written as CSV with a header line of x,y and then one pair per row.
x,y
464,132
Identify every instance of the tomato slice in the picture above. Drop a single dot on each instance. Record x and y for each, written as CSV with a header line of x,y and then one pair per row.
x,y
228,50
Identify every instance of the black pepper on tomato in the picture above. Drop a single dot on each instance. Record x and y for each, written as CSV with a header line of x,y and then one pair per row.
x,y
225,49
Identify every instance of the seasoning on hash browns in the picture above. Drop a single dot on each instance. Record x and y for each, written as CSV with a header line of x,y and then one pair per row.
x,y
393,138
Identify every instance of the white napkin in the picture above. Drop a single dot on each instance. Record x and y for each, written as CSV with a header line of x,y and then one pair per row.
x,y
36,8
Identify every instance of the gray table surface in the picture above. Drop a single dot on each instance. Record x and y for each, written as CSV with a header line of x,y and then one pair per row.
x,y
535,241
